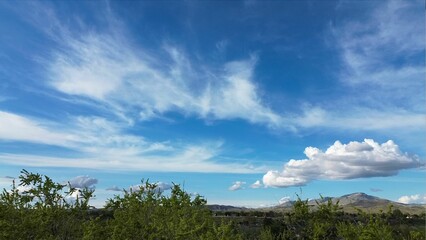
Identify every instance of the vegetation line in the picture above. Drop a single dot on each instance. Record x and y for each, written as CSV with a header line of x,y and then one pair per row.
x,y
49,210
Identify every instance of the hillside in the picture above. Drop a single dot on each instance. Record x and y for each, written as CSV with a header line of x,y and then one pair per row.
x,y
349,203
365,202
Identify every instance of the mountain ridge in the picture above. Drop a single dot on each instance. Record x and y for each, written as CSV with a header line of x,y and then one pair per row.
x,y
349,203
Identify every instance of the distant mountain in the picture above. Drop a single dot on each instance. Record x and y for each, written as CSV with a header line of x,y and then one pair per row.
x,y
362,201
349,203
226,208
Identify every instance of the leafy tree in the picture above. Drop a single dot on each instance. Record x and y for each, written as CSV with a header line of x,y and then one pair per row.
x,y
326,219
39,208
300,222
148,214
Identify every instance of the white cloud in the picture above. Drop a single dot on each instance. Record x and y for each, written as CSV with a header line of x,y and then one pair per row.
x,y
103,145
256,184
284,200
185,160
74,195
23,189
343,161
160,187
83,182
359,119
18,128
236,186
106,68
91,135
411,199
380,54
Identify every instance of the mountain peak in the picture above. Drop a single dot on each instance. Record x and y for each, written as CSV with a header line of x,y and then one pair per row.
x,y
358,196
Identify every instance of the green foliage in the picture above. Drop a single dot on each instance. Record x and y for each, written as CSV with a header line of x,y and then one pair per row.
x,y
300,221
148,214
266,234
39,208
371,227
325,219
42,210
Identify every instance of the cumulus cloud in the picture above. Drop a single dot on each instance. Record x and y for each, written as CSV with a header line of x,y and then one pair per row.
x,y
256,184
83,182
413,199
343,161
236,186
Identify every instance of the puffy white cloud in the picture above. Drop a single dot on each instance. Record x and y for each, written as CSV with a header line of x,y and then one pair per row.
x,y
277,179
83,182
411,199
343,161
236,186
256,184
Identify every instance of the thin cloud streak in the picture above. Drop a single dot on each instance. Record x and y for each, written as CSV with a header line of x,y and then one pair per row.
x,y
175,163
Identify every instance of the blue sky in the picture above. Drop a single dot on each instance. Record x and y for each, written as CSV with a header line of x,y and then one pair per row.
x,y
244,102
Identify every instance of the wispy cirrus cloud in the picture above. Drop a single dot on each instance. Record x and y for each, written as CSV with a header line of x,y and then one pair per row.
x,y
138,84
383,55
359,119
135,84
189,159
108,69
14,127
101,144
343,161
